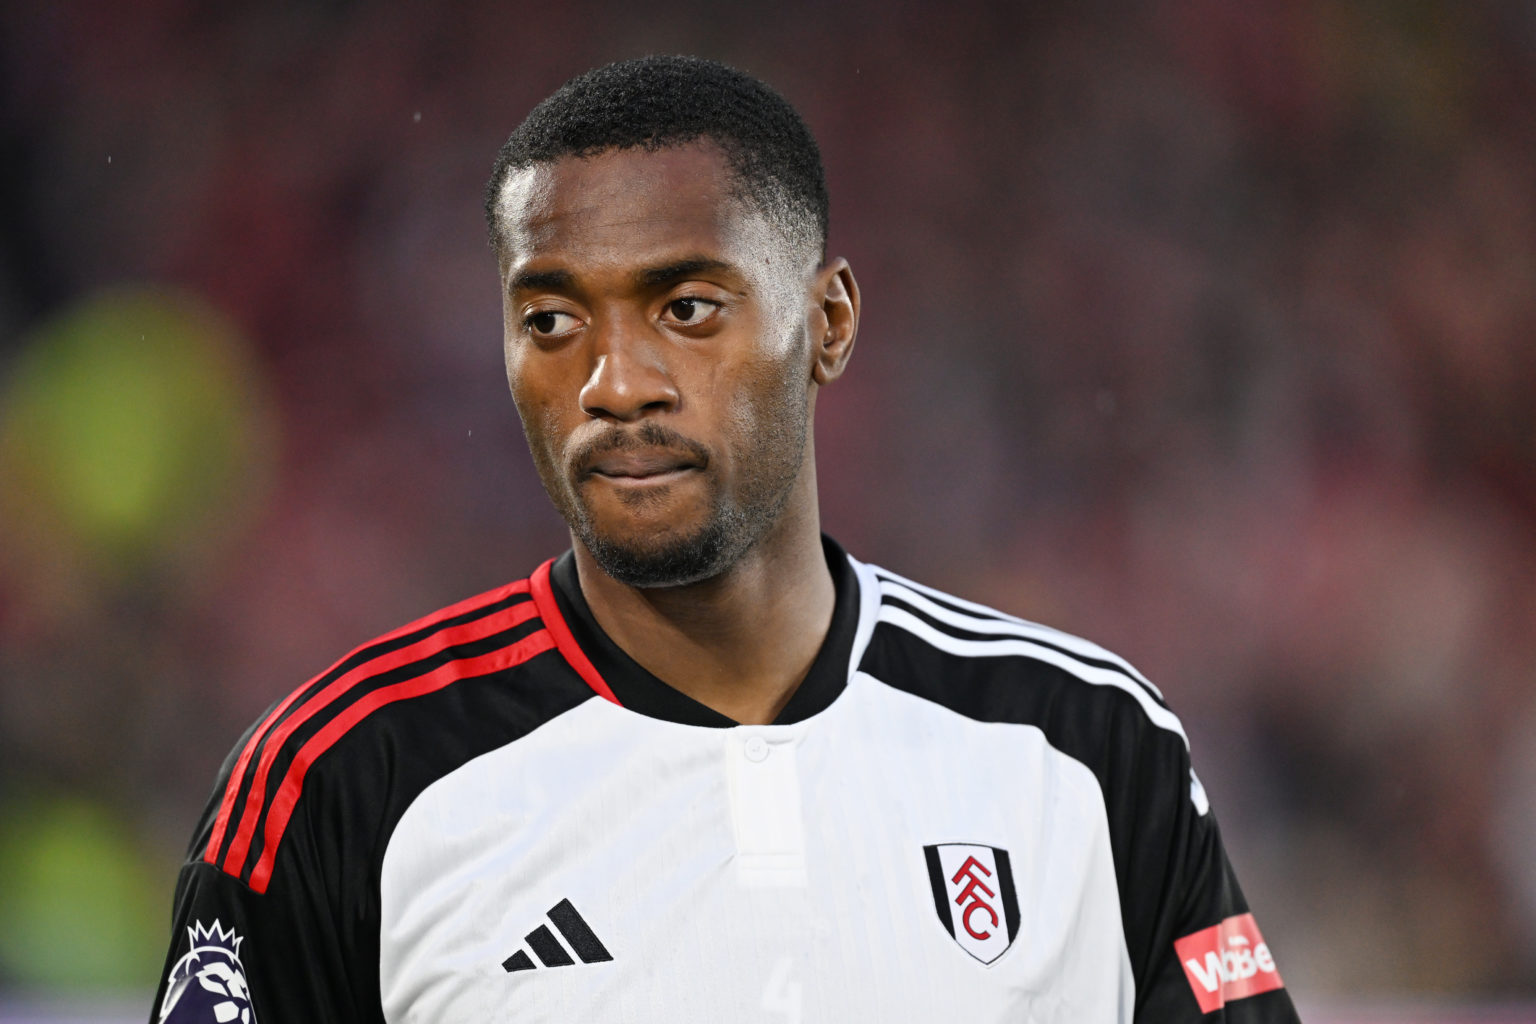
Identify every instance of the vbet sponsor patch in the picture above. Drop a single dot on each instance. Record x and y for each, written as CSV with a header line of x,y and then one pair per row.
x,y
1227,962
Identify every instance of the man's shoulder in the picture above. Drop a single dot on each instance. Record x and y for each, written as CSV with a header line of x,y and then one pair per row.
x,y
365,736
992,666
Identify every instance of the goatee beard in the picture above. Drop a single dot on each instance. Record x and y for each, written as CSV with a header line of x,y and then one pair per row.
x,y
774,427
676,562
732,528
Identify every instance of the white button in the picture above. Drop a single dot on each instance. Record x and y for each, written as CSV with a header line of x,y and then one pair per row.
x,y
756,749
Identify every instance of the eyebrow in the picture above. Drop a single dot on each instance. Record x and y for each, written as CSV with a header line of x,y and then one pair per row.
x,y
680,270
542,280
648,278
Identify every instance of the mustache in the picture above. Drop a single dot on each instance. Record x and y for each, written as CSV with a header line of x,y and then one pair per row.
x,y
648,436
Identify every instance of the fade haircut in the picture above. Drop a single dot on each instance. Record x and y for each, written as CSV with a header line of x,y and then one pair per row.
x,y
658,102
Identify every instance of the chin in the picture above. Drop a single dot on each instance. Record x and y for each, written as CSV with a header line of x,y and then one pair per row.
x,y
670,560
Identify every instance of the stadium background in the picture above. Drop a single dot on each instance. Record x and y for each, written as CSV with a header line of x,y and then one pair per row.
x,y
1206,330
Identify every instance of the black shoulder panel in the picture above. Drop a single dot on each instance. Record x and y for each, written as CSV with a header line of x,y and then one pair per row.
x,y
1091,707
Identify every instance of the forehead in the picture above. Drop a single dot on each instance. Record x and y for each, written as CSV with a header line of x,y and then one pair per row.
x,y
627,207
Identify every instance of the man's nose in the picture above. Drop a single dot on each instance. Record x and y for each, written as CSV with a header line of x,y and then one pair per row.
x,y
629,378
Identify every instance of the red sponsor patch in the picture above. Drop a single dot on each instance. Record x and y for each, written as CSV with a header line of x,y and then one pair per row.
x,y
1226,962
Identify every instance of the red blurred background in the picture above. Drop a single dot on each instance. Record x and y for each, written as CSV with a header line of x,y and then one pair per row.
x,y
1205,330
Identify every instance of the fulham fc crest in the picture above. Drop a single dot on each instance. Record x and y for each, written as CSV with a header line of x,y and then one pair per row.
x,y
973,893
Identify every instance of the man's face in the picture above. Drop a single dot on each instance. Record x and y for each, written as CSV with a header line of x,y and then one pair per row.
x,y
657,347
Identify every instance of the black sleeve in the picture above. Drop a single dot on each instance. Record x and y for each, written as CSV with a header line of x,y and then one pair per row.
x,y
287,955
1201,957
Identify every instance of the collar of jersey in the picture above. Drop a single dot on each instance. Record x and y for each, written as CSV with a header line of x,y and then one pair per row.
x,y
637,689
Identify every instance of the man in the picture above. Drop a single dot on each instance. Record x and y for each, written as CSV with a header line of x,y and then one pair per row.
x,y
705,765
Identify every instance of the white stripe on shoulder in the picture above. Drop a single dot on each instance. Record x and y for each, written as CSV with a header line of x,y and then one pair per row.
x,y
1010,626
980,609
869,611
1010,645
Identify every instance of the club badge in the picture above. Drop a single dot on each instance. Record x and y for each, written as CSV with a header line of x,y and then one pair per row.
x,y
974,895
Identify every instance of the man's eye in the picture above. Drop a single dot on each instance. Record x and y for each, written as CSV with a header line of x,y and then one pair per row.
x,y
549,324
690,311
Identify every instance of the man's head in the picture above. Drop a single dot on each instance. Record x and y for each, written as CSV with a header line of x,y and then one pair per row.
x,y
658,102
667,314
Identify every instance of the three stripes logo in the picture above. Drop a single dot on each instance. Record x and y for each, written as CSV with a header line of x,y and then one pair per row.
x,y
578,936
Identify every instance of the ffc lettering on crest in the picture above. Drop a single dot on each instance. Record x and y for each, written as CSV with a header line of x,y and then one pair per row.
x,y
974,895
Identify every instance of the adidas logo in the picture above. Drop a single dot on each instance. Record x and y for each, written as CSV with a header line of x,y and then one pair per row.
x,y
577,934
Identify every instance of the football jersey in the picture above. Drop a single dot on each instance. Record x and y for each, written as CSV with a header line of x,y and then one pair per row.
x,y
495,815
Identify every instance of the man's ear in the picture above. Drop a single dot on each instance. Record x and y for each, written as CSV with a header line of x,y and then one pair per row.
x,y
838,294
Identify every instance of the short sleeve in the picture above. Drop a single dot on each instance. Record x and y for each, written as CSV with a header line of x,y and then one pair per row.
x,y
1207,961
287,954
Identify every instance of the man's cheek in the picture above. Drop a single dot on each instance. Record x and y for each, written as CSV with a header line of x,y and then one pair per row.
x,y
539,425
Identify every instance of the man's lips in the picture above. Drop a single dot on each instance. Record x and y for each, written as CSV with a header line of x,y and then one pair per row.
x,y
640,465
648,456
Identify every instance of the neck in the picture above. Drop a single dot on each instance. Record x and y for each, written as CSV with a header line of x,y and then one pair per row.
x,y
740,643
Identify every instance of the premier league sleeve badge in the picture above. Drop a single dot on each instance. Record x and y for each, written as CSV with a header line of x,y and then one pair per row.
x,y
207,985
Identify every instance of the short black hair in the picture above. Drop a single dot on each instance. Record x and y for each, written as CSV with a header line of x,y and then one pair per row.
x,y
663,101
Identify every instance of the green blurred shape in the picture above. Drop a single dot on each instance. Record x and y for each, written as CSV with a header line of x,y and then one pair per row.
x,y
79,908
133,420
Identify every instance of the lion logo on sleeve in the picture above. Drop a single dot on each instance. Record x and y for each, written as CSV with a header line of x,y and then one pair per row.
x,y
207,985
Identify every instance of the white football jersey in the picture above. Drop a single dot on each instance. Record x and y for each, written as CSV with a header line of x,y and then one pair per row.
x,y
495,815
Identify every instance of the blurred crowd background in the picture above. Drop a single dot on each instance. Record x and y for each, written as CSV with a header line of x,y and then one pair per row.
x,y
1204,329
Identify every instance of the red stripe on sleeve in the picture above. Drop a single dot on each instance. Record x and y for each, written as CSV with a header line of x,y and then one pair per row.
x,y
293,782
232,790
549,611
234,861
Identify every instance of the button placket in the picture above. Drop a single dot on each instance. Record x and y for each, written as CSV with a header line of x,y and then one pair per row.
x,y
764,782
